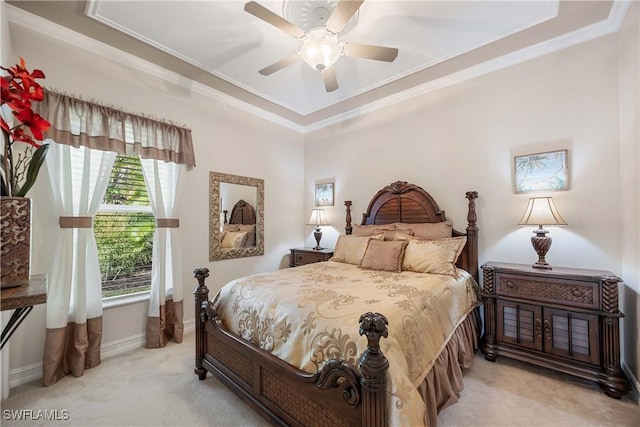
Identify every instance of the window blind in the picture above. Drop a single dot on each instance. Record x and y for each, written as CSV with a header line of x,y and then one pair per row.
x,y
124,228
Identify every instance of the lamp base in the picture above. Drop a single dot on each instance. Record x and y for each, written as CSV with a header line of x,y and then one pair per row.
x,y
318,235
541,243
542,266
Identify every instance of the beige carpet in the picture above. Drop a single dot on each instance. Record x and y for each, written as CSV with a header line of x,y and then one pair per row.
x,y
158,388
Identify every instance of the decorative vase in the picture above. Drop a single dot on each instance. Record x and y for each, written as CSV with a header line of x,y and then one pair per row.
x,y
15,241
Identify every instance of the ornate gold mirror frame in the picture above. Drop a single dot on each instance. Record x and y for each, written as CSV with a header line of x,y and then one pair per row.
x,y
215,252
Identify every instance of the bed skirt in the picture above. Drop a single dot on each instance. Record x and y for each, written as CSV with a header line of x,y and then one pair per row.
x,y
443,383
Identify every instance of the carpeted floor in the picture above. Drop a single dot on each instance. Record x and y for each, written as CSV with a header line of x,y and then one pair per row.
x,y
158,388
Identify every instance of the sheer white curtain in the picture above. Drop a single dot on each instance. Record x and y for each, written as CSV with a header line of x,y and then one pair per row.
x,y
79,179
165,320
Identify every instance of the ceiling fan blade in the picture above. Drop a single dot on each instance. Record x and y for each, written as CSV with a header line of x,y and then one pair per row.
x,y
277,21
379,53
341,15
329,79
279,64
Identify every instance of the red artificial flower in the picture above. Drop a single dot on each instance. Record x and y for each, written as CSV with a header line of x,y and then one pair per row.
x,y
4,125
18,134
8,95
33,121
24,82
19,88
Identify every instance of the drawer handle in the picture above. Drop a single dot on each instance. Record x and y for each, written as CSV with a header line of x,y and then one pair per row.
x,y
509,285
538,328
577,293
547,330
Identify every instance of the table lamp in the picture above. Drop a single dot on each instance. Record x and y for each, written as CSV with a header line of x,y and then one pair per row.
x,y
541,211
317,218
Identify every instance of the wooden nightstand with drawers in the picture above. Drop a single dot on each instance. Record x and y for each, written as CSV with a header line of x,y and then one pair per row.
x,y
302,256
565,319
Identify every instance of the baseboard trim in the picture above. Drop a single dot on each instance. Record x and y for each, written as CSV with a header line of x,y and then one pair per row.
x,y
635,385
33,372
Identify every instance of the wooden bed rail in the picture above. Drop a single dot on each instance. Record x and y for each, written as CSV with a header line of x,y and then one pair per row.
x,y
342,394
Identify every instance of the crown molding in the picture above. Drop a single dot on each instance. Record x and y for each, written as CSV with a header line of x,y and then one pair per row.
x,y
50,29
610,25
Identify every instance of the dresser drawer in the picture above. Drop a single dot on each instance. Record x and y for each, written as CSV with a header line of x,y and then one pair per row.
x,y
559,291
303,256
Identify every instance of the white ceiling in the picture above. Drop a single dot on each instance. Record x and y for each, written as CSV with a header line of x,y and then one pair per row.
x,y
221,46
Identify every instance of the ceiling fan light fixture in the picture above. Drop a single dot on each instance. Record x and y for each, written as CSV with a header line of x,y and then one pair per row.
x,y
320,49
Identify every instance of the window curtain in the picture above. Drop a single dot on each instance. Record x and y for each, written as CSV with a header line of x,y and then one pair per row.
x,y
79,179
81,123
74,306
165,320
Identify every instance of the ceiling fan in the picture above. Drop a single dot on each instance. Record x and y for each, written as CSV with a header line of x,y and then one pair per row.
x,y
320,48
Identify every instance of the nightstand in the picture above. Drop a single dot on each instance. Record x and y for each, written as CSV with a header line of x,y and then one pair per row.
x,y
565,319
302,256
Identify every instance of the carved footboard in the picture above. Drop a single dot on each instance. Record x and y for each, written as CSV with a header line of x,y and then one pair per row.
x,y
338,395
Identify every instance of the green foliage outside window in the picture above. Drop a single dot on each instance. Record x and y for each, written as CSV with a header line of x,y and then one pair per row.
x,y
125,237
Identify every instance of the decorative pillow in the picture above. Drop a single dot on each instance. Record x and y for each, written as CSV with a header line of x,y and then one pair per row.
x,y
368,230
391,234
350,249
384,255
433,256
386,234
231,227
251,233
233,239
428,230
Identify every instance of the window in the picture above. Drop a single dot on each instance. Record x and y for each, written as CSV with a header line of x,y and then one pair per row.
x,y
124,228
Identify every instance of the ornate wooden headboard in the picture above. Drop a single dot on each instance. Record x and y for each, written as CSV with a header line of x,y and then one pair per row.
x,y
409,203
242,213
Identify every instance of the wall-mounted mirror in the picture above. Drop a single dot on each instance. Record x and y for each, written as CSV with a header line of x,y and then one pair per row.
x,y
236,216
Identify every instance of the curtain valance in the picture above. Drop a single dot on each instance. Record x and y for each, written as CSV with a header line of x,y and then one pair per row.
x,y
78,123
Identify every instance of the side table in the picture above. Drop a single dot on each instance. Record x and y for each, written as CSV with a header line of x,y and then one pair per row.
x,y
22,299
303,256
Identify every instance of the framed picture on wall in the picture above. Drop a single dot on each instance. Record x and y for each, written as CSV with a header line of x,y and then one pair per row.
x,y
541,172
324,194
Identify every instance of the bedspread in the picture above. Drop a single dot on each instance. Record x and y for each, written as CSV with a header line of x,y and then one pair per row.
x,y
309,314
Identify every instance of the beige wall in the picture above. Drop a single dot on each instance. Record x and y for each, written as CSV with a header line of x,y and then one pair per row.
x,y
629,89
464,138
225,140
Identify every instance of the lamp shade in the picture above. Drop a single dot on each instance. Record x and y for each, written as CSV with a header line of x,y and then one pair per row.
x,y
541,211
317,218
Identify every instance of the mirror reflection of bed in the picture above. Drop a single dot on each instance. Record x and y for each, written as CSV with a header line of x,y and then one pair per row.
x,y
242,198
238,227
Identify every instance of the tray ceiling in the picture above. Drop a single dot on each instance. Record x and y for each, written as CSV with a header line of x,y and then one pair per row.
x,y
221,46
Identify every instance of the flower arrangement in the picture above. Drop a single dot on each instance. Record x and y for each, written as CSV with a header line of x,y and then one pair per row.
x,y
19,89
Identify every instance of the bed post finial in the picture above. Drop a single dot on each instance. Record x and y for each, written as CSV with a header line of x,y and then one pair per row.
x,y
373,366
472,235
348,229
471,215
201,295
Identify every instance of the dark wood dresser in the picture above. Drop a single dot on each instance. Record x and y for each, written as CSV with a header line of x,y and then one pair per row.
x,y
565,319
302,256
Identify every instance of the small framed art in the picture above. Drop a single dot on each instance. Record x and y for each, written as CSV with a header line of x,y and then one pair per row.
x,y
541,172
324,194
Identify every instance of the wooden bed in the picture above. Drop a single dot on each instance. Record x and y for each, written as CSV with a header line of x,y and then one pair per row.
x,y
340,393
242,213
